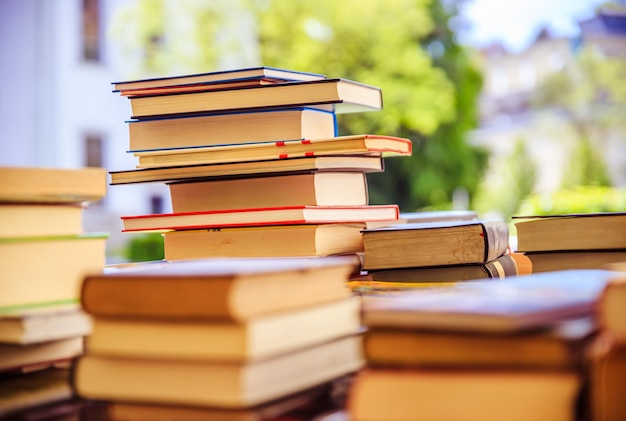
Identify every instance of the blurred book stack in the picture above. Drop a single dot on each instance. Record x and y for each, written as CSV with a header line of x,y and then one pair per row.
x,y
224,336
44,255
514,350
572,241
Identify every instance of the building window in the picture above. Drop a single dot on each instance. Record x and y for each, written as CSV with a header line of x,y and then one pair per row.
x,y
156,204
93,151
91,30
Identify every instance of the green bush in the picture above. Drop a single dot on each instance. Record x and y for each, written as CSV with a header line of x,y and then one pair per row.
x,y
144,248
581,199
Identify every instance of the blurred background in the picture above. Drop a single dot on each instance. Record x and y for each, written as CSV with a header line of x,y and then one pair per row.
x,y
515,107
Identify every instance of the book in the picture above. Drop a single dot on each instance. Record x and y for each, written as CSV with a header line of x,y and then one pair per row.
x,y
215,384
216,289
443,215
22,391
286,215
37,355
57,185
264,241
46,271
512,264
607,371
352,145
231,128
612,308
34,325
434,244
255,339
302,165
509,305
574,259
485,395
37,220
336,95
561,345
314,189
222,76
601,231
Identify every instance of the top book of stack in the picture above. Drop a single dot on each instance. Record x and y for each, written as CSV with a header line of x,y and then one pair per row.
x,y
221,92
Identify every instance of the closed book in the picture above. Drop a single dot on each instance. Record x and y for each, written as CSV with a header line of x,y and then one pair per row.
x,y
38,355
216,289
40,271
612,308
574,259
302,165
287,215
264,241
481,395
56,185
509,305
231,128
607,379
314,189
337,95
600,231
354,144
434,243
218,77
215,384
258,338
41,219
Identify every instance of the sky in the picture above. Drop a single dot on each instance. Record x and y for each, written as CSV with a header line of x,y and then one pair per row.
x,y
515,23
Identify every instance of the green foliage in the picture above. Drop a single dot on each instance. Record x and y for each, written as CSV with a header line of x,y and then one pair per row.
x,y
580,199
144,248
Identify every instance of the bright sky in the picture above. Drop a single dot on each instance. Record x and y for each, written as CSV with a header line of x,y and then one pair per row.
x,y
515,23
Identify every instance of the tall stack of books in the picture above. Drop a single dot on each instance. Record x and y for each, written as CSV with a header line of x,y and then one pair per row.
x,y
572,241
254,164
514,350
229,337
44,255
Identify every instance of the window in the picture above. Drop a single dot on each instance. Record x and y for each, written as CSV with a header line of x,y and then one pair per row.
x,y
93,151
156,204
91,30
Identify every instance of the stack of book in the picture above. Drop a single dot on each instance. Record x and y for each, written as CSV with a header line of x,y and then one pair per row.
x,y
572,241
513,350
217,338
254,164
440,252
44,255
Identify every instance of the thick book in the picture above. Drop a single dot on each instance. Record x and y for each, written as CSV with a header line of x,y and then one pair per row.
x,y
286,215
612,308
47,323
510,264
336,95
38,355
231,128
215,384
511,304
314,189
264,241
255,339
347,145
469,395
434,243
40,271
216,289
559,346
601,231
574,259
40,219
56,185
218,77
607,379
302,165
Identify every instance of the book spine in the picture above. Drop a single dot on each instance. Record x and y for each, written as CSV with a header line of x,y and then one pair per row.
x,y
501,267
496,235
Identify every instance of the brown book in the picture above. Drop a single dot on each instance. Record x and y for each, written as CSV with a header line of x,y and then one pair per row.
x,y
337,95
363,144
560,346
317,188
612,308
591,231
302,165
216,289
40,220
481,395
215,384
230,129
575,259
264,241
607,379
254,339
434,244
56,185
38,355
